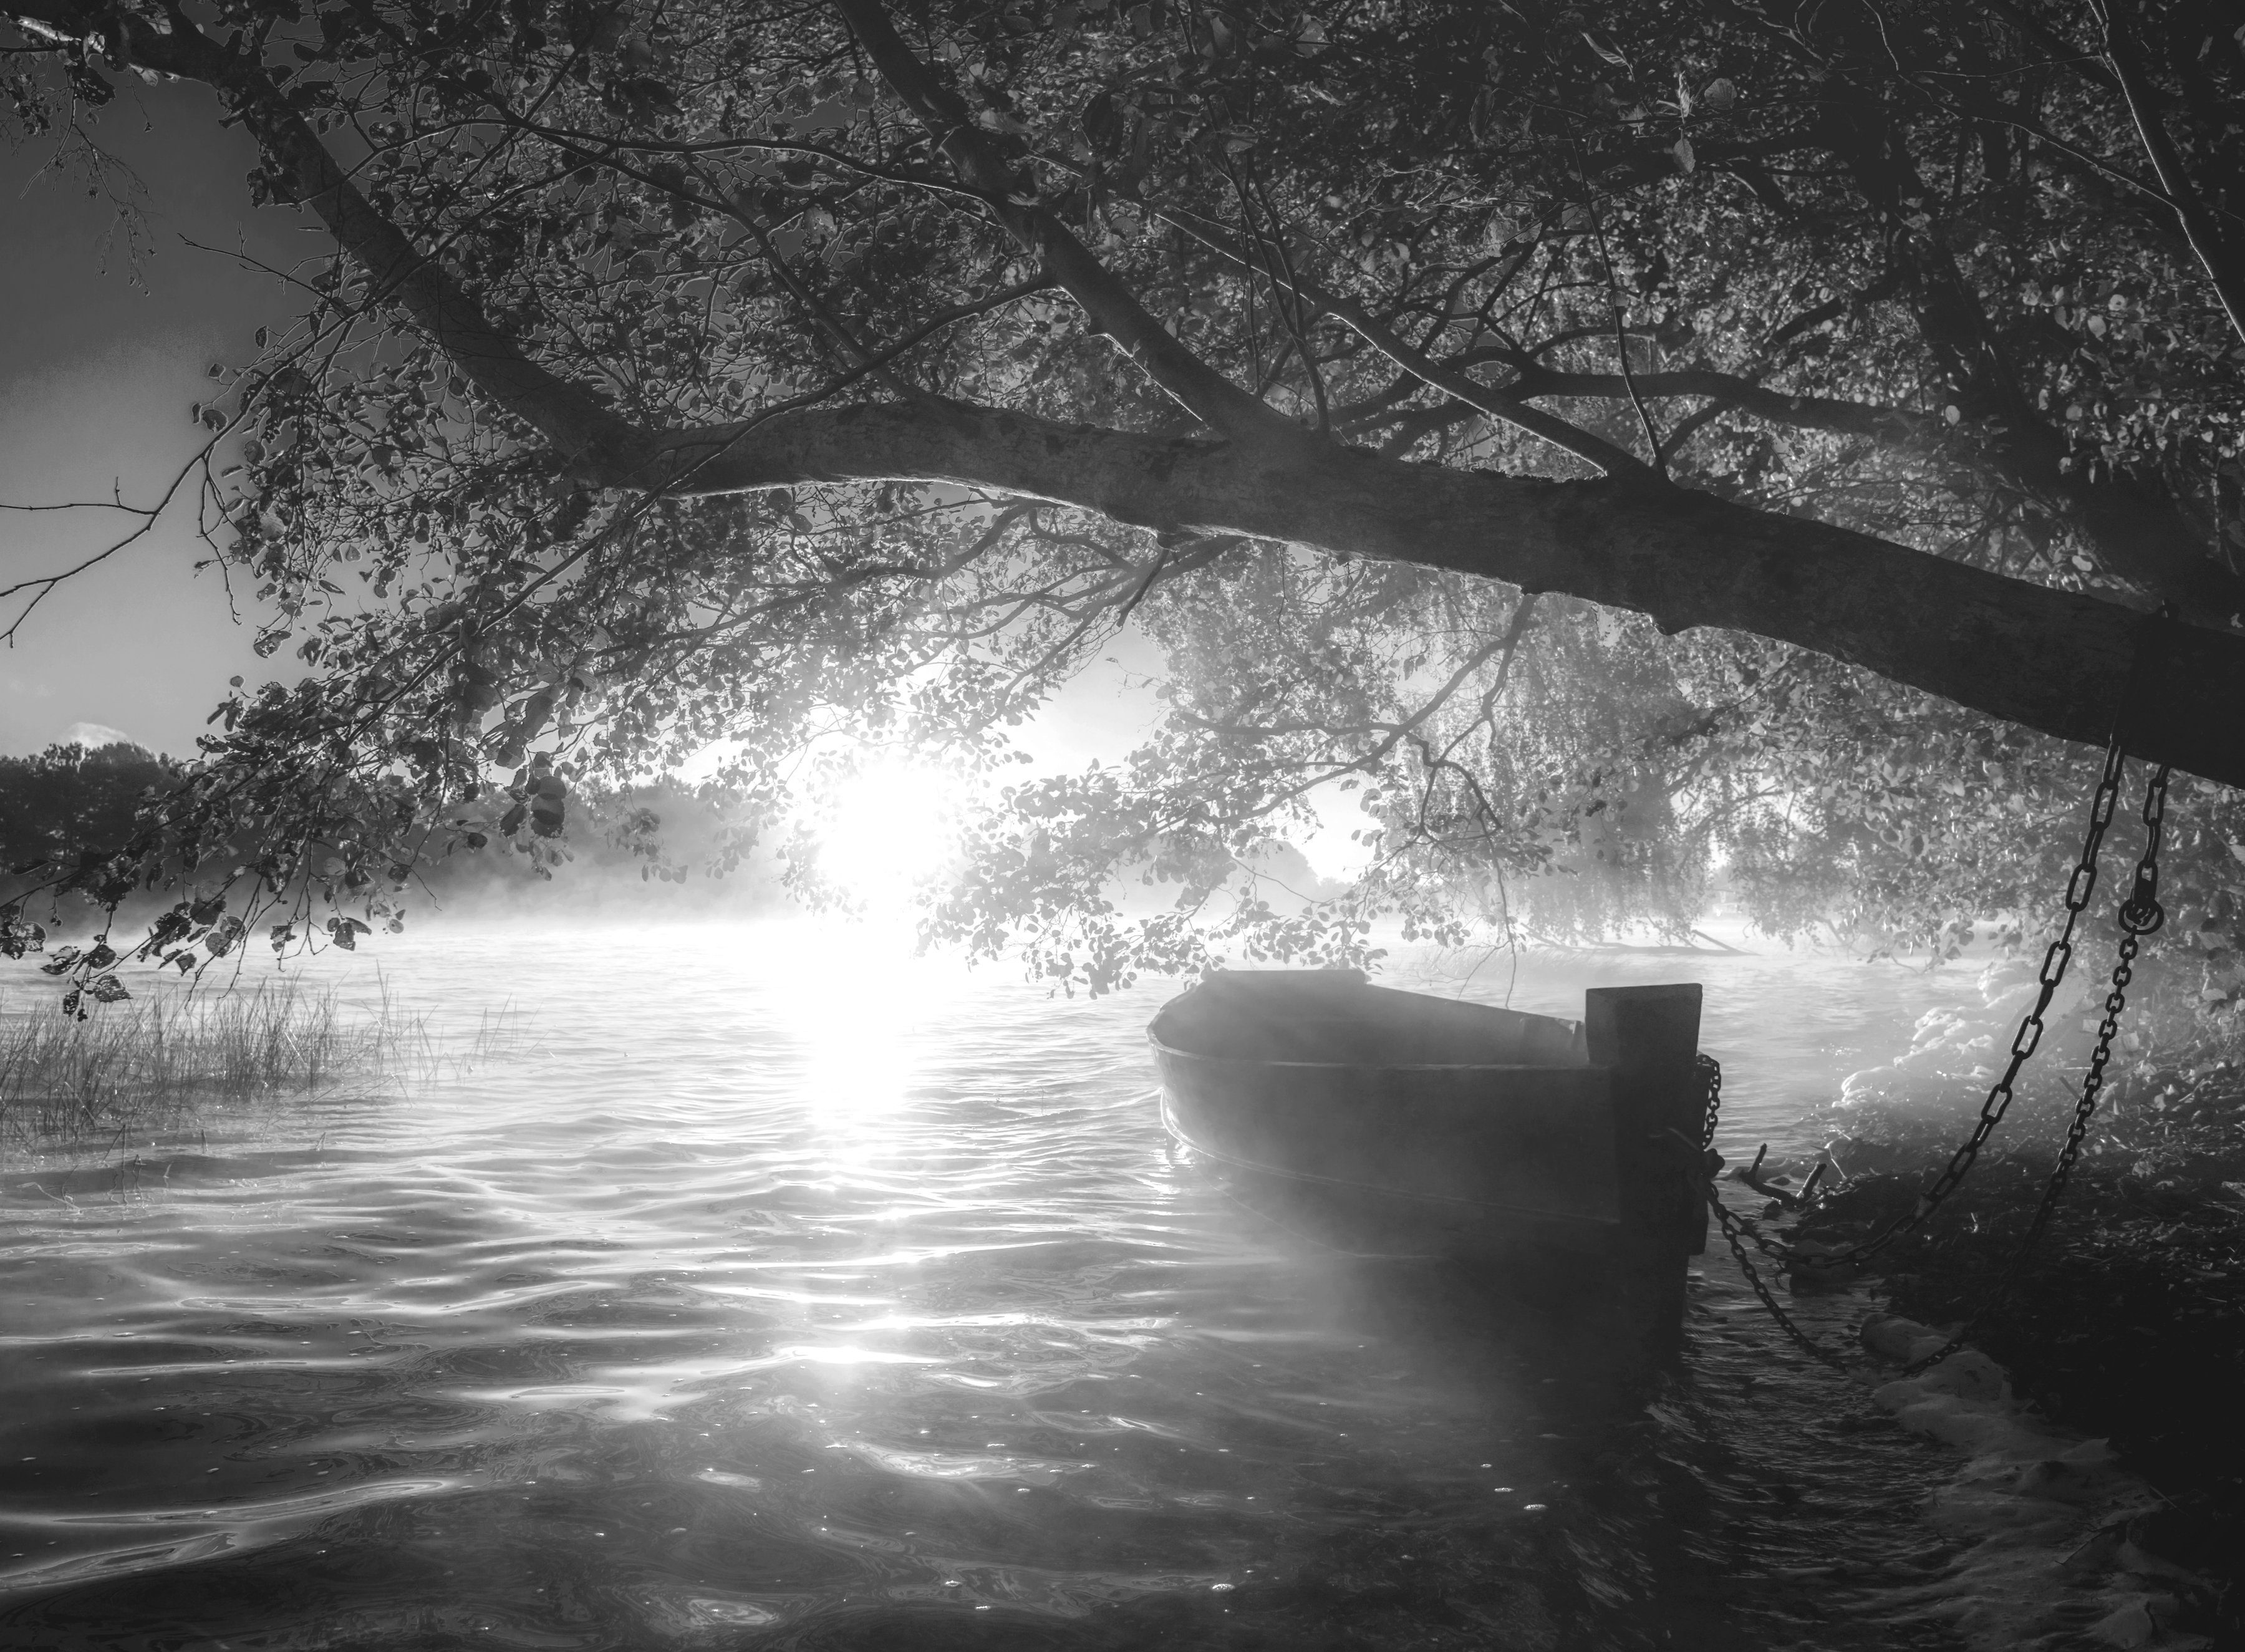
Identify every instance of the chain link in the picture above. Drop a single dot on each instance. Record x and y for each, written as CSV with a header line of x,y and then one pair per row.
x,y
1732,1227
2140,915
2079,888
1711,1081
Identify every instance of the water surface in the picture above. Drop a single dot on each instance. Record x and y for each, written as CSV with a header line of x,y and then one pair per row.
x,y
771,1293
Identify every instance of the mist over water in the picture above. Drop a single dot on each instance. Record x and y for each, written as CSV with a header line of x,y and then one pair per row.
x,y
774,1288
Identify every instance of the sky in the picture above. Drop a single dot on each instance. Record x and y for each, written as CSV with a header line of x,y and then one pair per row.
x,y
97,373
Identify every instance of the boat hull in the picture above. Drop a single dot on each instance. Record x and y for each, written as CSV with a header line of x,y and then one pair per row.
x,y
1394,1124
1441,1160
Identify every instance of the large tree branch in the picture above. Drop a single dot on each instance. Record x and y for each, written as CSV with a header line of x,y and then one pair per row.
x,y
2052,661
1114,309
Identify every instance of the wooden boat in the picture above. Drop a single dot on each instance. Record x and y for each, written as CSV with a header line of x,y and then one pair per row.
x,y
1386,1123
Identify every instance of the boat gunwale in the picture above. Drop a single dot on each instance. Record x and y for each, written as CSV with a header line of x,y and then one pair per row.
x,y
1381,1066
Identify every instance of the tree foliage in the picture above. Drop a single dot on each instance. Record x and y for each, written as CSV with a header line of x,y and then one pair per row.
x,y
781,376
58,803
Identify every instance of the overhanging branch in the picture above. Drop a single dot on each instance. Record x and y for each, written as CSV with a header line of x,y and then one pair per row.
x,y
2052,661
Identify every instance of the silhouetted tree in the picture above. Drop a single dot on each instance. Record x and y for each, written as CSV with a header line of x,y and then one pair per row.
x,y
1592,434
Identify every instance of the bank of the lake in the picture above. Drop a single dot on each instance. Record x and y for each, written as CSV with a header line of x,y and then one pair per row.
x,y
2125,1320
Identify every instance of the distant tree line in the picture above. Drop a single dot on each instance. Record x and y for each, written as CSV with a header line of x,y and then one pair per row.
x,y
68,799
70,808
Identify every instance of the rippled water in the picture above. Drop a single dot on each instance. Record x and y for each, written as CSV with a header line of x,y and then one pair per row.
x,y
772,1295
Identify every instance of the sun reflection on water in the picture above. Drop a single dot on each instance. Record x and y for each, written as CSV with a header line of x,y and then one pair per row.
x,y
857,1006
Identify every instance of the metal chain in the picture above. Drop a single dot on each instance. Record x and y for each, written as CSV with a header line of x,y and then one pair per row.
x,y
1711,1081
2078,890
1710,1084
2140,914
1732,1227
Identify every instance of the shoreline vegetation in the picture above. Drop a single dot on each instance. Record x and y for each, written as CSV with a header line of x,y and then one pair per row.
x,y
150,1061
661,844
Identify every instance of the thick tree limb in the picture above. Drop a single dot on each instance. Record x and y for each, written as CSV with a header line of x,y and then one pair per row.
x,y
567,414
2052,661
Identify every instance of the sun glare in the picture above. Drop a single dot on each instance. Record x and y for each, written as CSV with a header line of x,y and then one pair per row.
x,y
854,993
885,831
858,1008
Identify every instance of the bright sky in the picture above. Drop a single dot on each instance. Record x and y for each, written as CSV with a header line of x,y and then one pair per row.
x,y
96,378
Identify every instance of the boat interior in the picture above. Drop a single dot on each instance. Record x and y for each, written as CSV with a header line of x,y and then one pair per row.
x,y
1336,1017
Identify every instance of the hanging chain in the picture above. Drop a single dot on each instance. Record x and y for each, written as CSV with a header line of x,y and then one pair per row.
x,y
1733,1227
2079,888
1711,1083
2140,914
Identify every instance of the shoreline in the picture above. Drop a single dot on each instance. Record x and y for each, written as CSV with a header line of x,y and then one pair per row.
x,y
2059,1528
2095,1397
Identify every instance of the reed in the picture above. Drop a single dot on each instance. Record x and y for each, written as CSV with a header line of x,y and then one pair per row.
x,y
158,1057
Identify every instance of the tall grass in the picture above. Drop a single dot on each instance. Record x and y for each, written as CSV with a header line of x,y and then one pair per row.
x,y
156,1057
